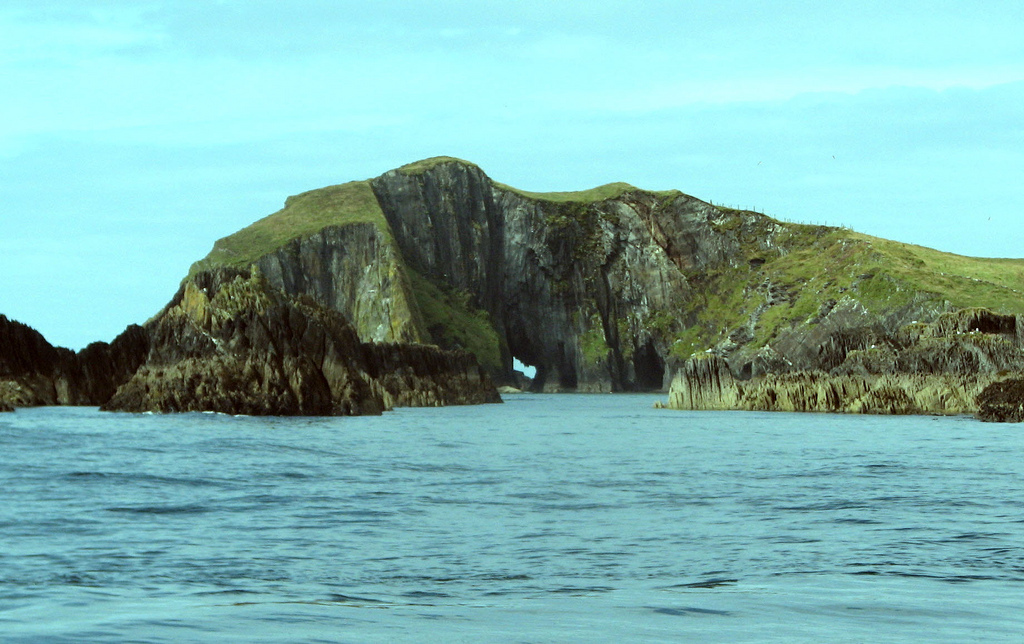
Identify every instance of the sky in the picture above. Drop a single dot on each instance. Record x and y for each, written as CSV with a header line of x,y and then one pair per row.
x,y
134,134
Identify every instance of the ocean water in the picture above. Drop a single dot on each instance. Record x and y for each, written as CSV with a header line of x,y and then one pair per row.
x,y
551,518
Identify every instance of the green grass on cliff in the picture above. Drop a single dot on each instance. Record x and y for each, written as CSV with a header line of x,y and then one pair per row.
x,y
419,167
811,265
454,323
600,193
997,284
594,195
885,274
302,215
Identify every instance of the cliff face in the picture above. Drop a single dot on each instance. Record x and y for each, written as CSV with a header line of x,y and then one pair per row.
x,y
231,342
569,288
322,306
354,270
613,289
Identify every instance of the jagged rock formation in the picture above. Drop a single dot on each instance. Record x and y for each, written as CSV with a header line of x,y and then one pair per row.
x,y
33,372
229,342
611,289
952,366
1002,402
817,391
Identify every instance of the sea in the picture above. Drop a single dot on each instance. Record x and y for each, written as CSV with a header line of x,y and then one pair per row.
x,y
549,518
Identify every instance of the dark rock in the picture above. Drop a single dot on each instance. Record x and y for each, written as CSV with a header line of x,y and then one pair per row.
x,y
570,287
354,270
103,367
1002,402
34,373
230,342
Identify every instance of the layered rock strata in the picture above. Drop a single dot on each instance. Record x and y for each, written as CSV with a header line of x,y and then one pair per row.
x,y
230,342
610,289
938,368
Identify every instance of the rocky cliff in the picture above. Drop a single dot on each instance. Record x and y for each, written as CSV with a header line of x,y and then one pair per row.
x,y
1002,401
33,372
610,289
231,342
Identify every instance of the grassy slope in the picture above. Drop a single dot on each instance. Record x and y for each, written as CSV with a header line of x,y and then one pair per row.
x,y
458,323
594,195
419,167
823,263
302,215
600,193
453,322
882,270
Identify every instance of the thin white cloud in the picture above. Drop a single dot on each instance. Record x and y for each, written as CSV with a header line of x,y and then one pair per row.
x,y
641,97
35,41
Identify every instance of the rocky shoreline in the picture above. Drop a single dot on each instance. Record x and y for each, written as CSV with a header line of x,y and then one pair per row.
x,y
963,363
229,342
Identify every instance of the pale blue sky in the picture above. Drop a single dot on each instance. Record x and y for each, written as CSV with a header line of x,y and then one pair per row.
x,y
133,134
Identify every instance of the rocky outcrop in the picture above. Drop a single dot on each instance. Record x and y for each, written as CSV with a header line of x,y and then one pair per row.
x,y
408,375
705,383
230,342
31,370
35,373
816,391
1002,402
610,289
103,367
952,366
